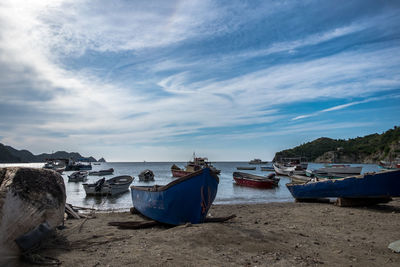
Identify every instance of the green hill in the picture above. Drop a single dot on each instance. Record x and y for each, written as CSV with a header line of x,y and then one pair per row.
x,y
368,149
9,154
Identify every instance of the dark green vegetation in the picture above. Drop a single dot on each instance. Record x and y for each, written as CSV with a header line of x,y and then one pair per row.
x,y
368,149
9,154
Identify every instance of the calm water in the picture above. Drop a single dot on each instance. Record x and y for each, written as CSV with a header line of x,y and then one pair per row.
x,y
228,192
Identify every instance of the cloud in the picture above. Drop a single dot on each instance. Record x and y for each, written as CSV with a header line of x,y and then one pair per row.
x,y
118,73
343,106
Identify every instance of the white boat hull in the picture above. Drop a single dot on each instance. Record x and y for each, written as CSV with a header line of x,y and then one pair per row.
x,y
111,186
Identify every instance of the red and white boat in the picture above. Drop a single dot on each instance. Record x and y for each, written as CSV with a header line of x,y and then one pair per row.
x,y
251,180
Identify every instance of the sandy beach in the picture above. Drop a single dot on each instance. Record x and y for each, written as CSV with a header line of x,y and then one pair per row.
x,y
273,234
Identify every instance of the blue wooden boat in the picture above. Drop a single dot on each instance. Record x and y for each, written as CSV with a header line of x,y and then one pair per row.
x,y
370,185
186,199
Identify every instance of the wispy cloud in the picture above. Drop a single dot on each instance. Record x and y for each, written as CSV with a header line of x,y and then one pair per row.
x,y
117,73
343,106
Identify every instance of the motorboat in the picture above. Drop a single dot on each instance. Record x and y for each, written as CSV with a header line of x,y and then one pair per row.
x,y
78,176
251,180
146,175
102,172
113,186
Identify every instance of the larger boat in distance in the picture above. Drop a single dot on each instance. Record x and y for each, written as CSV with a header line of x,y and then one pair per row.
x,y
197,164
184,200
257,161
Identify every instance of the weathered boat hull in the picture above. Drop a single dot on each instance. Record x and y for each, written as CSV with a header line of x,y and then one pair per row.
x,y
184,200
109,187
249,180
28,198
369,185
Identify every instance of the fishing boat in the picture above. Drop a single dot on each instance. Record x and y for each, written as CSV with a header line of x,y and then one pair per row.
x,y
184,200
335,171
146,175
78,166
78,176
113,186
246,168
102,172
288,166
300,178
388,165
257,161
369,185
197,164
251,180
281,169
267,168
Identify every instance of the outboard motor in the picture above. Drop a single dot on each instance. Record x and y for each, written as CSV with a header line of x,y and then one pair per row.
x,y
99,184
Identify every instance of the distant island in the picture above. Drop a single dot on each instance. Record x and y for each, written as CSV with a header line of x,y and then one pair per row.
x,y
9,154
368,149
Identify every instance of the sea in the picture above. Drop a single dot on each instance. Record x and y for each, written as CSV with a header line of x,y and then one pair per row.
x,y
228,191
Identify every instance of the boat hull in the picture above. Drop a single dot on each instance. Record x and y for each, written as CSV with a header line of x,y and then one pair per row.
x,y
250,180
282,170
110,187
253,183
267,168
369,185
184,200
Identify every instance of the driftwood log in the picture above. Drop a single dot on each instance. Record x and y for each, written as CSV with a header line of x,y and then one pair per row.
x,y
28,198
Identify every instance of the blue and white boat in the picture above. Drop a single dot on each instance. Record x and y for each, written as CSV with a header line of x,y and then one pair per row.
x,y
184,200
369,185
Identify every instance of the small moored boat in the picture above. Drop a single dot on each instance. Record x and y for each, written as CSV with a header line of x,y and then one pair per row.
x,y
102,172
78,176
267,168
113,186
246,168
369,185
251,180
146,175
335,171
186,199
288,166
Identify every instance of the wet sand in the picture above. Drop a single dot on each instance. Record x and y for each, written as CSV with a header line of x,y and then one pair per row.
x,y
273,234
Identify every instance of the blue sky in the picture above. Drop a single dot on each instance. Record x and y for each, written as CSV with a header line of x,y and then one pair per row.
x,y
230,80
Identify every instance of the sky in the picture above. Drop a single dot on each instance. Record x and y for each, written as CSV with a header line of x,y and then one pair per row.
x,y
229,80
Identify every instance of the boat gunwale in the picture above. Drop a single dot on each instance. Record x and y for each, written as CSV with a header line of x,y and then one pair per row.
x,y
249,176
159,188
361,176
128,182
